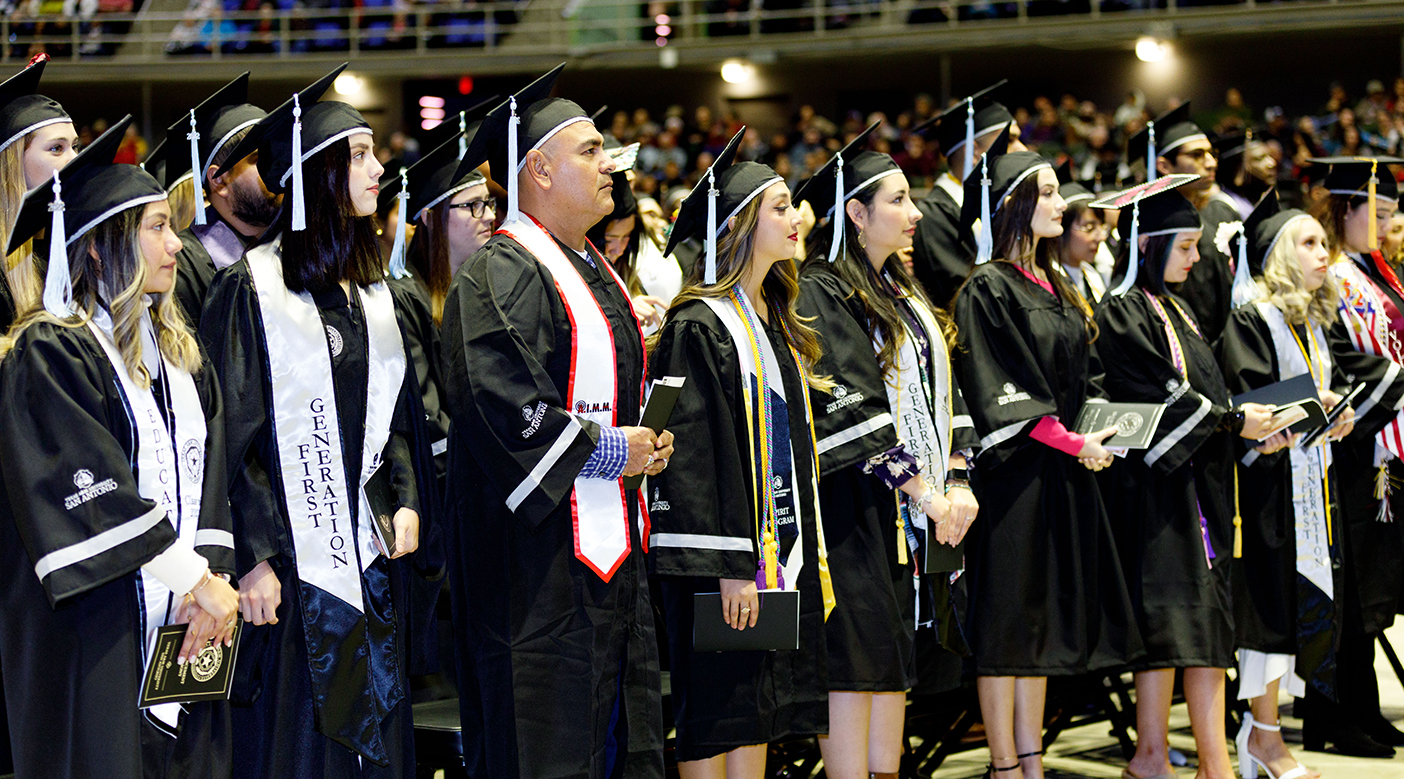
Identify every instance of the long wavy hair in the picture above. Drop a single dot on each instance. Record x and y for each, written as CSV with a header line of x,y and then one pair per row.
x,y
1283,284
120,266
337,245
183,205
867,283
25,283
1014,243
780,289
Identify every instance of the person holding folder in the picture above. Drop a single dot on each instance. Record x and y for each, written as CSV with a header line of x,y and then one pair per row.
x,y
737,512
1286,587
1172,504
892,456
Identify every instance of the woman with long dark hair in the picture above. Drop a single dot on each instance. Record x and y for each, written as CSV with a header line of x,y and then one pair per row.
x,y
1047,595
737,511
892,453
330,467
115,520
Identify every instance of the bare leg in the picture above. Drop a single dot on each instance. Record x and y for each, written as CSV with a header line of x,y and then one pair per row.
x,y
889,714
1154,692
1204,692
739,763
845,749
1030,693
997,709
1267,745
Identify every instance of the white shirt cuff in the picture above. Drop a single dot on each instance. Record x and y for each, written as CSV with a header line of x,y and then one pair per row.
x,y
180,568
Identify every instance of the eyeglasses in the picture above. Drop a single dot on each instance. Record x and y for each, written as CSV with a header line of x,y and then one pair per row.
x,y
477,207
1090,227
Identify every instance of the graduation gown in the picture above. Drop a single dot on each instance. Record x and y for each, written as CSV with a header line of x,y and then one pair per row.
x,y
1209,288
1277,610
942,253
549,654
279,730
422,345
1047,595
72,644
1373,549
194,272
873,628
724,700
1177,566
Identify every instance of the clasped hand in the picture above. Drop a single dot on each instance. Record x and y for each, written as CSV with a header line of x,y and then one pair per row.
x,y
648,451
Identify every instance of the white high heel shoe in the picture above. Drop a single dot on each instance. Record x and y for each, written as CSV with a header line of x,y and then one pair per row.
x,y
1248,765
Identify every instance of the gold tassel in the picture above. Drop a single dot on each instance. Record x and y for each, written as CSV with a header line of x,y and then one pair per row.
x,y
772,561
1374,237
901,532
1237,518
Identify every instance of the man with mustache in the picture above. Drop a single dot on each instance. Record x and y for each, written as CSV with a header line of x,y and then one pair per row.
x,y
553,628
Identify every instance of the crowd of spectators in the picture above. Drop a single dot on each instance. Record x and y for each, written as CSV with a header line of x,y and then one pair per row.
x,y
55,27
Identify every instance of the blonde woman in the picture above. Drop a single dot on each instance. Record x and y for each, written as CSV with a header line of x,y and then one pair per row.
x,y
1285,589
738,513
116,523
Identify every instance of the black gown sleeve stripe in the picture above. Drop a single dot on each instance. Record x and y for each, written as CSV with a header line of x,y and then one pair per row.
x,y
854,423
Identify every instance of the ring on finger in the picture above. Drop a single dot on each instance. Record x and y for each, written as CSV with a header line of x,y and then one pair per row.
x,y
745,609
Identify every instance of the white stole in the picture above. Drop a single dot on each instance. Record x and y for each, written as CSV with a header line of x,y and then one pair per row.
x,y
599,509
170,472
731,320
330,554
1308,466
925,437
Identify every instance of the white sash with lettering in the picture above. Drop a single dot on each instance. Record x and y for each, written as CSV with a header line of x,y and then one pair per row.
x,y
172,476
598,508
731,319
330,554
1309,465
925,436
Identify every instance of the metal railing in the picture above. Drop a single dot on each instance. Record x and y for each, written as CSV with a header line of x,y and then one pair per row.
x,y
584,27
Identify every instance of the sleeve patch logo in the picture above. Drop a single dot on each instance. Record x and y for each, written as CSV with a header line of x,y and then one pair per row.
x,y
87,489
842,398
533,418
1011,395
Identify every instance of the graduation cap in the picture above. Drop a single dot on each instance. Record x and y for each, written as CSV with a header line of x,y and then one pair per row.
x,y
22,109
980,115
1162,135
847,173
155,164
418,188
86,192
462,129
1367,177
721,194
1154,209
525,122
290,134
206,128
1231,145
1068,189
986,187
1256,237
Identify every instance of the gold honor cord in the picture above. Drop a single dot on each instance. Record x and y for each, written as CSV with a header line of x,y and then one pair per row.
x,y
1325,439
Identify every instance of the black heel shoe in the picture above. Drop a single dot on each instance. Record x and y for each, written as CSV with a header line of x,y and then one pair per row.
x,y
1347,737
1382,731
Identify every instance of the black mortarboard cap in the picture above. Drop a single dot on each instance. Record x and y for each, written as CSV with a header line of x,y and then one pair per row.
x,y
1162,135
22,109
847,173
1352,175
91,190
735,185
971,118
994,178
193,140
1152,208
1257,237
1071,191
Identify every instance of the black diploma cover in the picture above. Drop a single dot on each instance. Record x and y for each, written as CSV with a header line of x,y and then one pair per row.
x,y
777,624
205,678
661,399
1135,423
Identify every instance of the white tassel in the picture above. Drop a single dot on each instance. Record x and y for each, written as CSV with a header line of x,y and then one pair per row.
x,y
1151,173
710,276
299,214
58,284
195,171
969,136
462,134
840,234
1244,289
1133,264
984,244
397,252
511,181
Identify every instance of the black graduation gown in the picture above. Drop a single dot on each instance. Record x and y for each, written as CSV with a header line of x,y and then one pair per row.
x,y
274,717
724,700
1275,609
72,645
1374,550
872,630
416,314
943,254
544,646
1209,288
194,272
1155,496
1047,596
